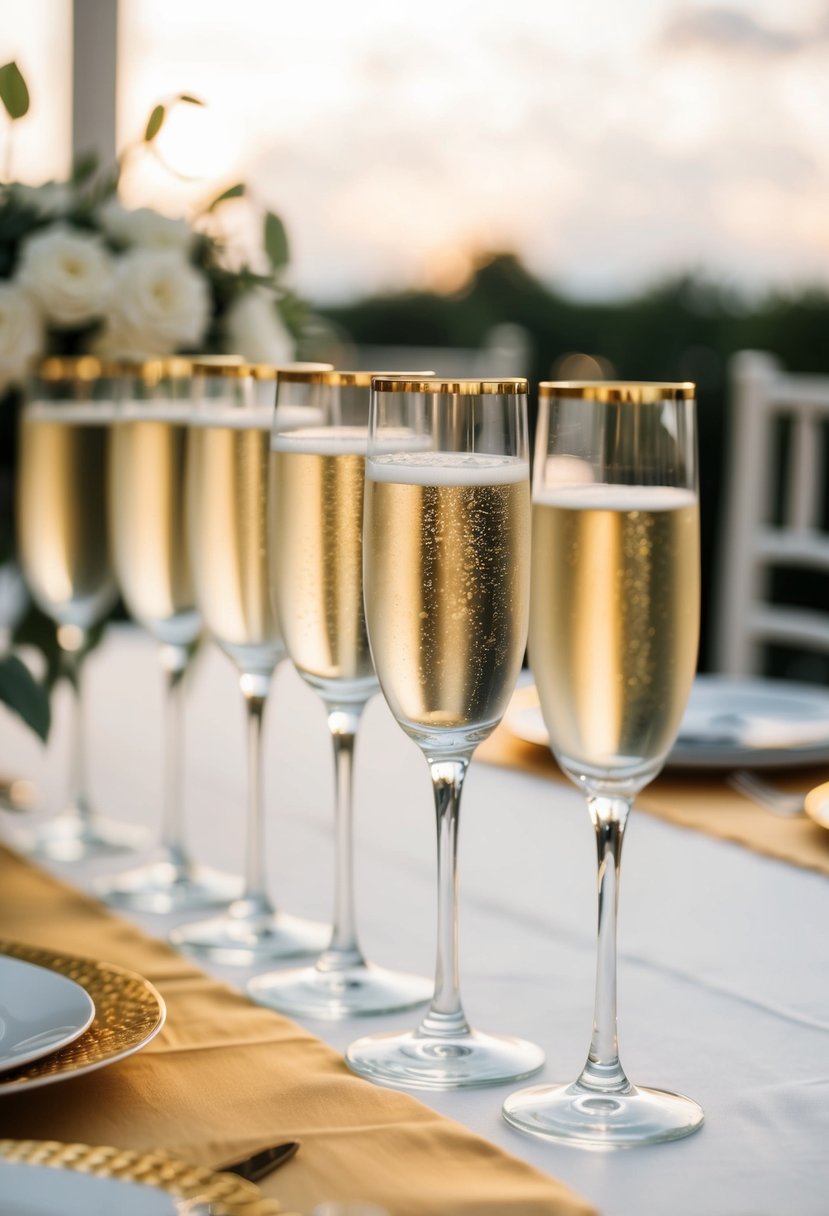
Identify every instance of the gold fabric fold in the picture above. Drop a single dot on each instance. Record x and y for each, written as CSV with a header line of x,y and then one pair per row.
x,y
700,801
225,1077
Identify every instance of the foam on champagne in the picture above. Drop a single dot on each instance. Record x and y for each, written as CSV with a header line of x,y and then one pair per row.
x,y
74,413
604,497
418,468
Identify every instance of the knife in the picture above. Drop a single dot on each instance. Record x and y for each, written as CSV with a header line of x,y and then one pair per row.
x,y
260,1164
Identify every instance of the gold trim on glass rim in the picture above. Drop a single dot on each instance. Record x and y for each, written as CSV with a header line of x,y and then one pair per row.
x,y
74,367
224,1194
128,1013
233,367
454,386
334,378
90,367
624,392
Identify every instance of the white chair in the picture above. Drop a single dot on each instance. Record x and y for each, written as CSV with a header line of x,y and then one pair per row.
x,y
775,511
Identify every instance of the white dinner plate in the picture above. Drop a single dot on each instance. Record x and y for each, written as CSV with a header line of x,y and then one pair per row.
x,y
40,1011
41,1190
49,1178
128,1013
729,722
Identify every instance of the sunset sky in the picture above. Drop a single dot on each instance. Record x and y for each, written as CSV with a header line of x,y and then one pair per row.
x,y
608,143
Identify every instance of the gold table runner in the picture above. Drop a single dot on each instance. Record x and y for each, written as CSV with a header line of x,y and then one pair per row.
x,y
226,1077
701,801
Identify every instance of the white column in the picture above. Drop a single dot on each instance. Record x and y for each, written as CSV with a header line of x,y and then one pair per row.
x,y
95,48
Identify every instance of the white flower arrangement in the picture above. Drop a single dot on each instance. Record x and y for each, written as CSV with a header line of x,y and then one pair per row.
x,y
80,272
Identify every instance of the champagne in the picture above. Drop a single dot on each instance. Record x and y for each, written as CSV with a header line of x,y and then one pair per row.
x,y
614,621
228,470
318,555
61,510
447,587
147,518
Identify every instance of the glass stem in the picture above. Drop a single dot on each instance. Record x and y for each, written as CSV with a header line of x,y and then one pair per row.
x,y
343,950
174,661
73,642
255,687
446,1017
603,1070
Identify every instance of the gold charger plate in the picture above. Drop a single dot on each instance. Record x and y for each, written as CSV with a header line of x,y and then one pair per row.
x,y
128,1013
816,804
199,1187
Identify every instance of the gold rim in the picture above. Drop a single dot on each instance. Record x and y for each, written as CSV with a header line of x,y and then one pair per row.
x,y
233,367
90,367
505,386
625,392
225,1194
75,367
334,378
128,1013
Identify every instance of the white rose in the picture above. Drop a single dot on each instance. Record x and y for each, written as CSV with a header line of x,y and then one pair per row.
x,y
254,328
160,304
145,228
69,273
21,333
52,198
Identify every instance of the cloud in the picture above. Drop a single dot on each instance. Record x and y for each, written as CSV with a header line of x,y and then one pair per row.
x,y
728,30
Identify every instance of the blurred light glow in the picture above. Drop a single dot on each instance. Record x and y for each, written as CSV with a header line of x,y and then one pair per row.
x,y
607,144
38,35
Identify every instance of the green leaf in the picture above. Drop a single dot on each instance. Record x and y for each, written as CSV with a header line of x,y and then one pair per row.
x,y
13,91
154,123
276,241
190,99
232,192
22,693
84,167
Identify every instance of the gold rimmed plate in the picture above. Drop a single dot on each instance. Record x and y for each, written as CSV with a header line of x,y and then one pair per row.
x,y
47,1177
816,804
128,1013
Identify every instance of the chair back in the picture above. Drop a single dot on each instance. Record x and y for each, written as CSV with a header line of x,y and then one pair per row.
x,y
776,511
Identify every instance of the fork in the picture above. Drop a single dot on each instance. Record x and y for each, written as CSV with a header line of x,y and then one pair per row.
x,y
766,795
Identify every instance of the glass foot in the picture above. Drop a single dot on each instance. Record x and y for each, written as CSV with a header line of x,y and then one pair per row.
x,y
417,1060
251,932
579,1115
335,993
169,886
73,837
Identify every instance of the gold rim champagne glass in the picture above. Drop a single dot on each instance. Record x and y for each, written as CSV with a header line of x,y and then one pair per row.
x,y
63,548
147,519
614,628
319,473
228,471
447,570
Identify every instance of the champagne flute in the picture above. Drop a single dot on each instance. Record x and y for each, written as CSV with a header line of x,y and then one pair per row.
x,y
447,568
614,625
63,547
318,584
228,458
149,547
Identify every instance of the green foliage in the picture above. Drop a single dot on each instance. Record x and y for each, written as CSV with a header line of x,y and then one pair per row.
x,y
232,192
14,92
154,123
276,241
85,167
159,113
20,691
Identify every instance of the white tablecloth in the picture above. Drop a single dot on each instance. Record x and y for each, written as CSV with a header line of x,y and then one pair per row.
x,y
724,954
